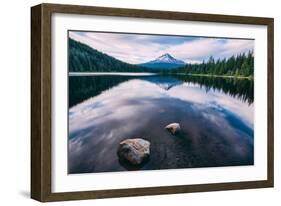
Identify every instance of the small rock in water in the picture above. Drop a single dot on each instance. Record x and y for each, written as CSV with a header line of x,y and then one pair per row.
x,y
134,151
173,128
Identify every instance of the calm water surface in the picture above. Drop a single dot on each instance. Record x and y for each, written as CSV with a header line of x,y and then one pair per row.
x,y
215,114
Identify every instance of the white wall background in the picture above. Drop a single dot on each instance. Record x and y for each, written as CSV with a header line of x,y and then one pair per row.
x,y
15,102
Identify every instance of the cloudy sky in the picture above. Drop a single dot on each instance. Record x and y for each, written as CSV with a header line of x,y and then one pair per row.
x,y
140,48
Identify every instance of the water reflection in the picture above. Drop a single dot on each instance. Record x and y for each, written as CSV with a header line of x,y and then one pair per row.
x,y
216,121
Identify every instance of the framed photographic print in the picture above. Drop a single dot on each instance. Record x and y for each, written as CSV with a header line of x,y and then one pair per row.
x,y
130,102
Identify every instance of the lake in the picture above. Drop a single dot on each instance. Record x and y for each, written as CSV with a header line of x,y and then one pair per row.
x,y
215,115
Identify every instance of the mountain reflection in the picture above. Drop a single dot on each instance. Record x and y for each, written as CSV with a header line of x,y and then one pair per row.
x,y
216,117
84,87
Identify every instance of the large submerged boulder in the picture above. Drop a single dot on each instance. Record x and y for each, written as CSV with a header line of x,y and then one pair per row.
x,y
173,128
134,151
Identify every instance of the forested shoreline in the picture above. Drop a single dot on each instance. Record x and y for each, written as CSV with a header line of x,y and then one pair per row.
x,y
241,65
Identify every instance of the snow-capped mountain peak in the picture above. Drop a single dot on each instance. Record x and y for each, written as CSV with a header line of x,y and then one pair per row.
x,y
167,58
165,61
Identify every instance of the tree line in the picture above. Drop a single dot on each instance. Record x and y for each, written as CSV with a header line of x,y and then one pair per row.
x,y
240,65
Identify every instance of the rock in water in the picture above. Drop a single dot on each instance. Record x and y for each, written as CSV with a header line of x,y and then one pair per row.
x,y
173,128
134,151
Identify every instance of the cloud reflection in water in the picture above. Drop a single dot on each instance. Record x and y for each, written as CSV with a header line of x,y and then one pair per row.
x,y
217,129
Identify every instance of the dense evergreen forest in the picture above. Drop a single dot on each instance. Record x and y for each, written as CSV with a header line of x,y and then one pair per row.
x,y
240,65
83,58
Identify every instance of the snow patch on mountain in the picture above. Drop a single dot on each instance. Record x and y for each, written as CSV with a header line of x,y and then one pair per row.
x,y
165,61
167,58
